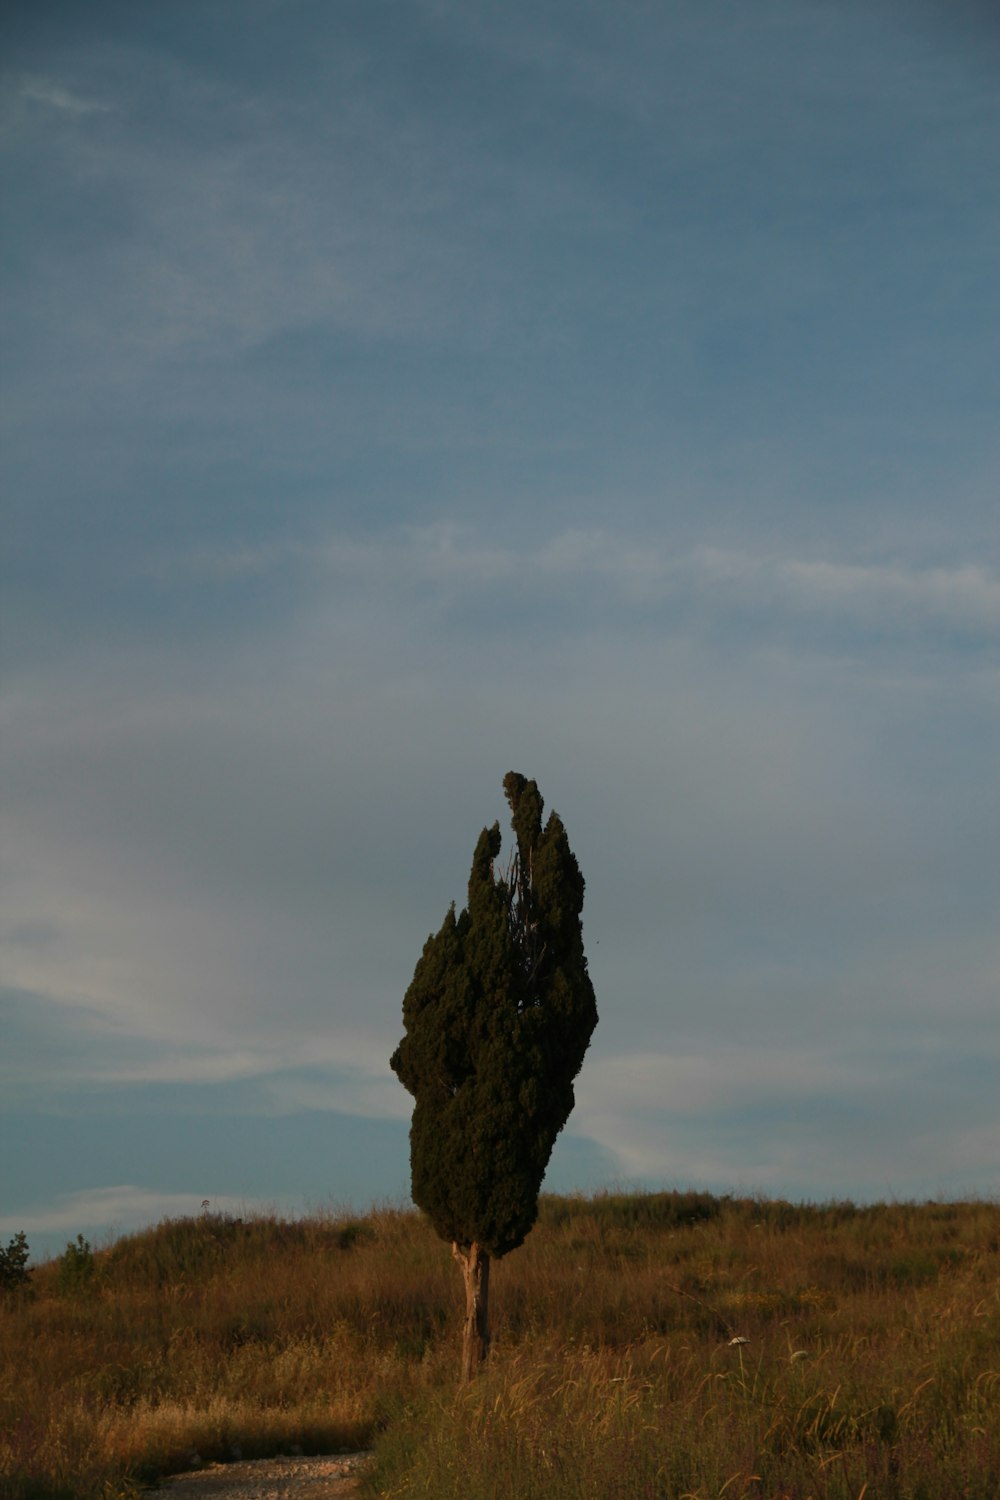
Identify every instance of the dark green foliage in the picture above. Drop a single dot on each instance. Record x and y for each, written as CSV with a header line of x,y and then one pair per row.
x,y
498,1017
14,1270
77,1268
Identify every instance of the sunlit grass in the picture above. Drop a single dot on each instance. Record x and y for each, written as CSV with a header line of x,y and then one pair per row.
x,y
872,1364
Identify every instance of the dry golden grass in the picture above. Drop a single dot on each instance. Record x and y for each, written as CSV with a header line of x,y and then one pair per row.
x,y
873,1365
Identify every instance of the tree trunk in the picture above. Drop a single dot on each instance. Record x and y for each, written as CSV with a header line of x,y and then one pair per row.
x,y
475,1265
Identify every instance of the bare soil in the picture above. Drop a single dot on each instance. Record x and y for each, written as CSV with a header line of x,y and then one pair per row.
x,y
324,1478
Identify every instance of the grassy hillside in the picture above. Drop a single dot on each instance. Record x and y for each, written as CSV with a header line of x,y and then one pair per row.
x,y
872,1367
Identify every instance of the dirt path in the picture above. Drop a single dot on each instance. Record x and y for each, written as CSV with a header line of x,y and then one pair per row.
x,y
329,1478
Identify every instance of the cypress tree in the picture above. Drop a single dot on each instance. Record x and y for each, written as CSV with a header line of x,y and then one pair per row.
x,y
497,1019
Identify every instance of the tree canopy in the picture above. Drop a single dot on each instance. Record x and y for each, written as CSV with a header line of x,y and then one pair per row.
x,y
497,1020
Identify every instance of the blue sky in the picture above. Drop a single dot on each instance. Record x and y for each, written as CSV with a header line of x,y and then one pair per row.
x,y
396,394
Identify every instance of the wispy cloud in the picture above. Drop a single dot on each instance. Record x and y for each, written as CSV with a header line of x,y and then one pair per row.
x,y
898,595
724,1078
456,562
965,595
53,95
342,1073
73,1049
125,1207
288,225
869,1124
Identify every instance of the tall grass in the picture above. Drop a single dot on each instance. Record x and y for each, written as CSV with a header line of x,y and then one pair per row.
x,y
872,1367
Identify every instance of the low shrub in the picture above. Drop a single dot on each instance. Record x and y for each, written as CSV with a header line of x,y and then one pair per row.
x,y
14,1270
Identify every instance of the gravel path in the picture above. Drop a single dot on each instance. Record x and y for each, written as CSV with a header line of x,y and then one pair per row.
x,y
330,1478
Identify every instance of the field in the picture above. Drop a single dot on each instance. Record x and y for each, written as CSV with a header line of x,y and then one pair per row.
x,y
872,1366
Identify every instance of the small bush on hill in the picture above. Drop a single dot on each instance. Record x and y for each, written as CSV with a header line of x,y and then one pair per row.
x,y
14,1272
77,1268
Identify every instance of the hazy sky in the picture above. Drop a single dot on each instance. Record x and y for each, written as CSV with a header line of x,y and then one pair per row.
x,y
401,392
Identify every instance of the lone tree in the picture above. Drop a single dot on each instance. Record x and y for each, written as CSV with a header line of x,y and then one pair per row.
x,y
498,1017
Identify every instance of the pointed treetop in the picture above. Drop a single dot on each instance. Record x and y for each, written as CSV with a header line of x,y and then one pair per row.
x,y
526,806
